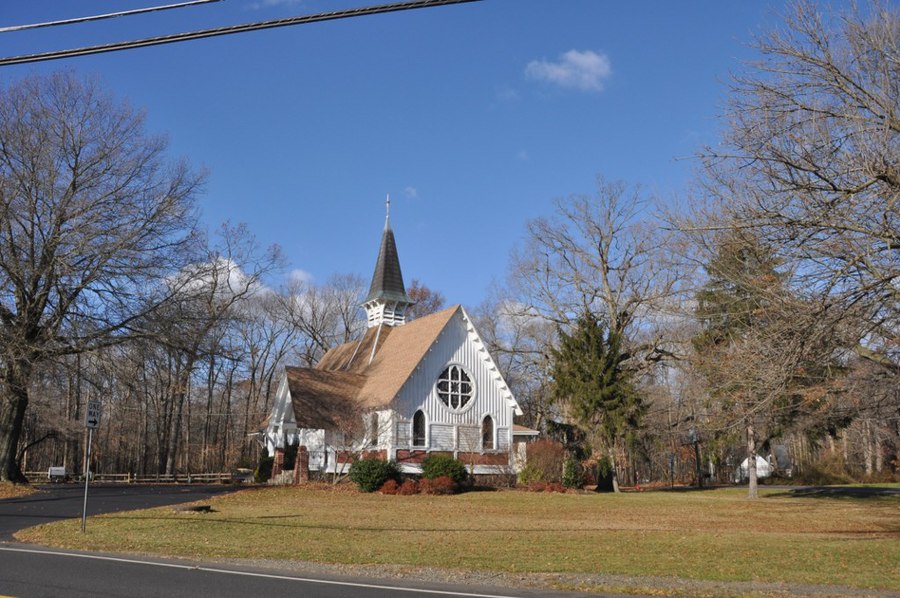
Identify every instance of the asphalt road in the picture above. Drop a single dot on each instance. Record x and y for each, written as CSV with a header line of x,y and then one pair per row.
x,y
65,501
39,574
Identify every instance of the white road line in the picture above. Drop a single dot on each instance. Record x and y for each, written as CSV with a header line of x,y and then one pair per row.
x,y
251,574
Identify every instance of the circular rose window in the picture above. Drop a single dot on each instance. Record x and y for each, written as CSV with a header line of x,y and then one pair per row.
x,y
455,388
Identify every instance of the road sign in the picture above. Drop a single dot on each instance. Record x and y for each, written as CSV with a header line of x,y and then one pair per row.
x,y
92,420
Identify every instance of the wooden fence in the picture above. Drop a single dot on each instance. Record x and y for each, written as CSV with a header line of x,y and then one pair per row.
x,y
128,478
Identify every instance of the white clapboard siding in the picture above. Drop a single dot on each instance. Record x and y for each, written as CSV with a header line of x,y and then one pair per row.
x,y
443,437
458,344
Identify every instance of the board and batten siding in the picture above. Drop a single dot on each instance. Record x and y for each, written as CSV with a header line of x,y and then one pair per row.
x,y
457,344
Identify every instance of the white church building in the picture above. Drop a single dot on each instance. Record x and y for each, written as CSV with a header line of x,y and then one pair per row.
x,y
402,391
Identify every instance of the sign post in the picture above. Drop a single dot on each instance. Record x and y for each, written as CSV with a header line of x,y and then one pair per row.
x,y
91,422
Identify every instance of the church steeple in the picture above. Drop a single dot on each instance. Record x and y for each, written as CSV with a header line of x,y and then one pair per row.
x,y
387,300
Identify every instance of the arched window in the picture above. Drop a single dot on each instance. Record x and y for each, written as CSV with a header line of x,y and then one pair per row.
x,y
418,435
487,433
454,387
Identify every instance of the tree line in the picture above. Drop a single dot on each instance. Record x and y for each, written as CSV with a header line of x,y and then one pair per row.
x,y
765,312
667,344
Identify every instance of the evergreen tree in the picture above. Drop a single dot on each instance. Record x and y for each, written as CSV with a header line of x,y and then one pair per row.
x,y
590,376
742,274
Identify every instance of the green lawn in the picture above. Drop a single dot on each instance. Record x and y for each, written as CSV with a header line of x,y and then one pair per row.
x,y
709,535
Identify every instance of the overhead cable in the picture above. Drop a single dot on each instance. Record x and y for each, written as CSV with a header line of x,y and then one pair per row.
x,y
180,37
110,15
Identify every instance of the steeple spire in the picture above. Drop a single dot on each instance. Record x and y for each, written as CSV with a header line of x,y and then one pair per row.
x,y
387,300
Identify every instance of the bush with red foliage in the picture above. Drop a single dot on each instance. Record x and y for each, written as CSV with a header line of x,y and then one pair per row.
x,y
540,486
389,487
408,488
544,461
439,485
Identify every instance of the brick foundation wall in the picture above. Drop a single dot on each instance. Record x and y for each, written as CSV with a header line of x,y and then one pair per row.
x,y
301,466
278,462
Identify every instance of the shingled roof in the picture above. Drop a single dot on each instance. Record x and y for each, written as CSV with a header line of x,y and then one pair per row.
x,y
353,374
387,280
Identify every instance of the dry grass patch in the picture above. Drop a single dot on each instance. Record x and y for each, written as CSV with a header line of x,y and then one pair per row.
x,y
711,535
8,490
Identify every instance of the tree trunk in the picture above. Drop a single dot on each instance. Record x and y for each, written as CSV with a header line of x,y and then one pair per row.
x,y
868,448
175,433
753,491
12,417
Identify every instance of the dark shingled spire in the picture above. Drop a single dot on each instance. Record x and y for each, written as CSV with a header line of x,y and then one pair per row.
x,y
387,281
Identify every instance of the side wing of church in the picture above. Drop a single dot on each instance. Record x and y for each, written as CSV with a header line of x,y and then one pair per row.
x,y
402,391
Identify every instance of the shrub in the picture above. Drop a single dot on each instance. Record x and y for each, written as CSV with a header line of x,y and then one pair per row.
x,y
529,475
408,488
264,469
537,486
439,485
370,474
573,474
540,486
545,459
389,487
437,466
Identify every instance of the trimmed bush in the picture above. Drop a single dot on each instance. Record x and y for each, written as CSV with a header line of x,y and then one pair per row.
x,y
370,474
264,469
408,488
573,474
437,466
389,487
439,485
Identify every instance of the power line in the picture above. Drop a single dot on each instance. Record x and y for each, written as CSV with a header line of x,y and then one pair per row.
x,y
110,15
180,37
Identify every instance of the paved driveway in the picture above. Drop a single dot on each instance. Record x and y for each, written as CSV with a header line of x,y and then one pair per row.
x,y
64,501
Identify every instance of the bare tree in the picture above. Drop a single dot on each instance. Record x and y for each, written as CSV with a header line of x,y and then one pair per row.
x,y
325,315
427,301
598,255
208,293
810,162
91,218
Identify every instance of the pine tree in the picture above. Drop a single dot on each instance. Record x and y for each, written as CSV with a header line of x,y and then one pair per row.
x,y
590,376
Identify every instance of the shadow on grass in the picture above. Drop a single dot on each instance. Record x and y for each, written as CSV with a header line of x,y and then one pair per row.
x,y
851,492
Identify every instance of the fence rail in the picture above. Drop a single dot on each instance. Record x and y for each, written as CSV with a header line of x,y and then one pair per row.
x,y
128,478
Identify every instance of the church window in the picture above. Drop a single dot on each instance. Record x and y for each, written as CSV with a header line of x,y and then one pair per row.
x,y
454,387
487,433
419,429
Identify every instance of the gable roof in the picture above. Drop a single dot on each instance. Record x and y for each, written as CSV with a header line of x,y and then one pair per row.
x,y
397,352
351,375
321,398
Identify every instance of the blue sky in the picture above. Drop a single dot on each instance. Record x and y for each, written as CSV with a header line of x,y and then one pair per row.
x,y
473,117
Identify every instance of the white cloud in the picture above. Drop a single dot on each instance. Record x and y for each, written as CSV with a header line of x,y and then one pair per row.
x,y
522,156
585,71
411,192
300,276
221,277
